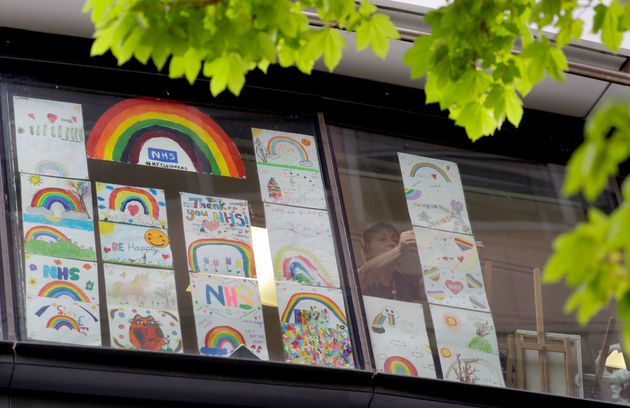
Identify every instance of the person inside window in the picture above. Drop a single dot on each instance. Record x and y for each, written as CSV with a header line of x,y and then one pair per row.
x,y
391,268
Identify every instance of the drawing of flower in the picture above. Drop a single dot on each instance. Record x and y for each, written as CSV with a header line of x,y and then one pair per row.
x,y
32,281
457,206
89,285
451,321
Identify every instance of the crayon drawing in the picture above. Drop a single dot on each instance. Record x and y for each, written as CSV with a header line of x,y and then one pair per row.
x,y
135,245
62,279
450,265
50,138
140,287
138,328
284,149
434,193
399,337
164,134
228,314
302,247
290,186
131,205
59,241
314,325
63,321
218,235
467,346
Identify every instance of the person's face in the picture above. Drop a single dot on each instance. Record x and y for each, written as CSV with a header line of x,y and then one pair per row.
x,y
382,242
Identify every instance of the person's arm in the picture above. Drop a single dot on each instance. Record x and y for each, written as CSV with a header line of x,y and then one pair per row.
x,y
381,268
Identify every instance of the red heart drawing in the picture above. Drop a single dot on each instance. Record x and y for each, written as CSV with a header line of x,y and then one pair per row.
x,y
460,258
166,256
57,261
31,115
52,117
74,119
133,209
434,176
454,286
107,249
211,225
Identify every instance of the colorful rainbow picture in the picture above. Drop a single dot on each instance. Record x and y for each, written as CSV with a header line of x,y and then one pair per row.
x,y
426,165
300,297
123,130
57,289
399,365
224,337
47,197
121,197
245,250
51,168
463,244
58,321
411,194
42,231
299,268
277,141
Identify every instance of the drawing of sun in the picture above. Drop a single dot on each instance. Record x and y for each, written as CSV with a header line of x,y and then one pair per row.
x,y
451,321
446,353
32,281
156,238
35,180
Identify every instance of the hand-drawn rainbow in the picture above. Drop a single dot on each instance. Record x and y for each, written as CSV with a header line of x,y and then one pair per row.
x,y
58,321
411,194
57,289
121,197
245,250
42,231
299,268
224,337
463,244
300,297
47,197
122,131
276,141
400,365
51,168
418,166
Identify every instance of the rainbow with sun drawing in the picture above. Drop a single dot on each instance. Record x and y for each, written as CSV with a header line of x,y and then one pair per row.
x,y
121,197
121,133
49,196
323,300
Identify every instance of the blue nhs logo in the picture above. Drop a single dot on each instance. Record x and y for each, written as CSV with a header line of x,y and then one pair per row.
x,y
162,155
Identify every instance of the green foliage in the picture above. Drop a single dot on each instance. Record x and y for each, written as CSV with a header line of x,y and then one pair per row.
x,y
226,39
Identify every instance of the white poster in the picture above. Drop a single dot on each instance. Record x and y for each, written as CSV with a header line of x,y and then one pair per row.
x,y
434,193
302,245
135,245
399,337
131,205
50,137
140,328
228,314
140,287
467,346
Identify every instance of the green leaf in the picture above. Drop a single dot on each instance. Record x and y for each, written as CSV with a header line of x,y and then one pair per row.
x,y
476,119
418,57
333,44
376,32
103,41
611,36
227,71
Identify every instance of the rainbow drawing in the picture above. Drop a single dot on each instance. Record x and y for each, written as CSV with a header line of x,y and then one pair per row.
x,y
463,244
244,249
224,337
58,321
121,197
276,141
43,231
122,131
424,165
57,289
299,268
400,365
411,194
47,197
51,168
300,297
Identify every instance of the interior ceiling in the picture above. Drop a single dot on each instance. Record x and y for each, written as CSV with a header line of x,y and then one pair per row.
x,y
577,96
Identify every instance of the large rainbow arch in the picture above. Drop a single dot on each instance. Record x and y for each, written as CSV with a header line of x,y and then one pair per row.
x,y
300,297
122,196
41,231
121,132
47,197
246,252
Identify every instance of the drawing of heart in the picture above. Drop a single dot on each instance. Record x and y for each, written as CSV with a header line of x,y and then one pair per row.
x,y
434,176
74,119
107,249
31,115
133,209
52,117
460,259
454,286
211,225
166,256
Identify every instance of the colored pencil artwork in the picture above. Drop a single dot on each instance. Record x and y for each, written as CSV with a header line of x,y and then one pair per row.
x,y
399,337
140,287
302,245
139,328
467,346
50,138
218,235
228,314
434,193
135,245
314,325
131,205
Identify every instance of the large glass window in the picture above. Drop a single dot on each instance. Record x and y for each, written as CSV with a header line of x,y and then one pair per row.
x,y
163,226
447,243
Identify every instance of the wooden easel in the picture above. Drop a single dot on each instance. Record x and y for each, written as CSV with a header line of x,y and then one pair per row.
x,y
517,345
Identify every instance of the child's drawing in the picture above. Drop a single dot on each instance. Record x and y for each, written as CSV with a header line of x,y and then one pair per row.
x,y
284,149
58,241
138,328
140,287
50,138
62,279
135,245
131,205
434,193
290,186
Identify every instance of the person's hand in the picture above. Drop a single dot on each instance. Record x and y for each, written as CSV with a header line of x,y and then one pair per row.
x,y
407,241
